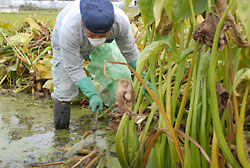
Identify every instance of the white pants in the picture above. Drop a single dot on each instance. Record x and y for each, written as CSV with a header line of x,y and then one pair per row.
x,y
64,88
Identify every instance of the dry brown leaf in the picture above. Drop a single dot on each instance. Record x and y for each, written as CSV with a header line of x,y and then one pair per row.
x,y
114,123
222,95
206,31
115,120
232,26
45,30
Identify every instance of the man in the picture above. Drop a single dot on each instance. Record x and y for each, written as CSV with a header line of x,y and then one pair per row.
x,y
80,28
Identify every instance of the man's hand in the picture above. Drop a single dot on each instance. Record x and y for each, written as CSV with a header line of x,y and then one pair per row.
x,y
96,101
88,88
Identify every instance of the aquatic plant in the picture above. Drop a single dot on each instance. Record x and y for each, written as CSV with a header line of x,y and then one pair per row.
x,y
25,56
195,116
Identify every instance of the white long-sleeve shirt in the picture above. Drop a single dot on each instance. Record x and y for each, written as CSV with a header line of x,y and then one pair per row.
x,y
71,46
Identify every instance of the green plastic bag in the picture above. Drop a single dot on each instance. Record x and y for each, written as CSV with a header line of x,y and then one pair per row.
x,y
108,52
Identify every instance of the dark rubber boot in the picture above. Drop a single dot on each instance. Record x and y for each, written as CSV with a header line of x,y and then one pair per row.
x,y
61,114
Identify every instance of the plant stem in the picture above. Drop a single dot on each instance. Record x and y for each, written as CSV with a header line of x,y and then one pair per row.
x,y
22,89
145,38
41,54
133,141
188,159
203,132
161,109
168,96
189,36
215,152
193,14
2,80
184,99
226,70
118,142
234,99
208,7
213,96
239,135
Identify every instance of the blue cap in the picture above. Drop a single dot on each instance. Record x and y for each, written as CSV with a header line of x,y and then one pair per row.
x,y
97,15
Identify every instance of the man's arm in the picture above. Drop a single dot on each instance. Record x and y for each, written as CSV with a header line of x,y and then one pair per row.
x,y
72,61
125,39
70,52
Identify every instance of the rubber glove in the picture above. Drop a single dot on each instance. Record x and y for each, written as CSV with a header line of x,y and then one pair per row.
x,y
133,65
88,88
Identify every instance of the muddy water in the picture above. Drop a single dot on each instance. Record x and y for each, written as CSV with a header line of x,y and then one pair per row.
x,y
28,137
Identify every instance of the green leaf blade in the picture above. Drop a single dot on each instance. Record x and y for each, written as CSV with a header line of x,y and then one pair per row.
x,y
146,8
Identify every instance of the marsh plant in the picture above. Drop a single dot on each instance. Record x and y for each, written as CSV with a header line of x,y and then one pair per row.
x,y
195,53
25,54
196,56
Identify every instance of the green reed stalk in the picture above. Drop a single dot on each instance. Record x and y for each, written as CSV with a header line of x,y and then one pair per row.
x,y
187,156
189,37
160,145
208,7
226,80
133,141
152,64
145,38
169,113
215,152
213,96
239,134
179,75
119,142
160,78
193,14
168,96
203,132
185,96
195,160
176,90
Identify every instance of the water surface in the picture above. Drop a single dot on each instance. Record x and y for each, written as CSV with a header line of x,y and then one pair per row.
x,y
28,136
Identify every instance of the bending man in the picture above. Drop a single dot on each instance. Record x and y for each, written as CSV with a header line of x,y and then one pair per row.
x,y
80,28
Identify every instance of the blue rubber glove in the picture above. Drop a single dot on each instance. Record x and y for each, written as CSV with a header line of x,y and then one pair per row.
x,y
133,65
88,88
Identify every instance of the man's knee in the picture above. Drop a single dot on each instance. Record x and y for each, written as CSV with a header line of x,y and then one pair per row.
x,y
64,88
65,92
